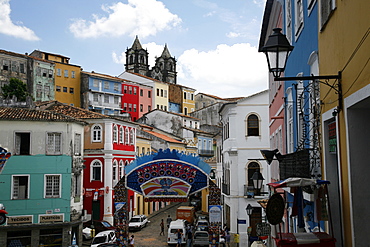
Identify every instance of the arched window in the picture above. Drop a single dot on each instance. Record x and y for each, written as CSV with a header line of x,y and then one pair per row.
x,y
115,133
126,136
252,125
114,172
132,137
96,170
142,60
121,169
143,150
148,150
121,135
252,168
131,59
96,133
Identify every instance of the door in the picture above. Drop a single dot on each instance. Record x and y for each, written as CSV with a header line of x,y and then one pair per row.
x,y
96,210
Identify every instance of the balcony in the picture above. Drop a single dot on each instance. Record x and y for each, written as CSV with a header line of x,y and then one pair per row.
x,y
205,152
248,191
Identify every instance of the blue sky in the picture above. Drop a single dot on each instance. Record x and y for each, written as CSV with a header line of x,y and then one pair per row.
x,y
214,41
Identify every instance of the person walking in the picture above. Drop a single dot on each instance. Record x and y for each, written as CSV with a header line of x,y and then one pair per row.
x,y
189,236
179,238
162,228
169,219
131,241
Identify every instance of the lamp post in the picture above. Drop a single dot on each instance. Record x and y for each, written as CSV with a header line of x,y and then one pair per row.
x,y
249,210
257,179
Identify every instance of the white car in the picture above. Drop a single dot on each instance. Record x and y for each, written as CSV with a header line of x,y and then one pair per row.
x,y
104,237
86,233
137,222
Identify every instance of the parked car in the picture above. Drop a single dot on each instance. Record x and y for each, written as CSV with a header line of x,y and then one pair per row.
x,y
176,225
103,238
201,238
99,225
86,233
137,222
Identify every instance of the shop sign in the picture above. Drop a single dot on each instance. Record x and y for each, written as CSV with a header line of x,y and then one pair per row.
x,y
47,218
21,219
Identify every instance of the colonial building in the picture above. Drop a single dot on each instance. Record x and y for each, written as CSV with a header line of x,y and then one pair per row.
x,y
42,182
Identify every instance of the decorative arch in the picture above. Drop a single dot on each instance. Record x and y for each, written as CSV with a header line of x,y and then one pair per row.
x,y
132,136
253,124
127,139
121,135
115,174
115,133
96,170
121,169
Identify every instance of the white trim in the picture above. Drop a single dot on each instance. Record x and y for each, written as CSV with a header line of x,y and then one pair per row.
x,y
28,186
91,170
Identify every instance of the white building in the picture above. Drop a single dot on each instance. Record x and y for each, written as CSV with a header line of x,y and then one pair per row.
x,y
245,133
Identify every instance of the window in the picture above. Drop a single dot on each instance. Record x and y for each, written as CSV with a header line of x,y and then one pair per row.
x,y
135,90
71,90
38,91
20,187
149,108
65,89
165,108
6,65
125,106
95,83
252,168
58,89
114,172
126,136
141,107
44,72
121,135
59,72
54,143
161,107
125,89
21,68
161,92
132,137
252,125
141,92
143,150
116,100
149,94
22,143
298,24
326,8
115,86
95,97
165,93
50,73
73,74
184,95
77,144
47,90
121,169
65,73
96,170
130,90
115,130
106,85
134,107
192,96
157,91
96,133
185,111
52,186
106,98
129,107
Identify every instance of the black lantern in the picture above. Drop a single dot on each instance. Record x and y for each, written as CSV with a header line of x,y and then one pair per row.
x,y
257,181
277,50
249,209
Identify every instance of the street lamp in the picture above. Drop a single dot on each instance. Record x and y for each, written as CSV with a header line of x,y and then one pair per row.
x,y
249,210
257,179
277,50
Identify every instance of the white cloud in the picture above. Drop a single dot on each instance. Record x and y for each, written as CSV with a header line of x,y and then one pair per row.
x,y
227,71
7,26
138,17
233,35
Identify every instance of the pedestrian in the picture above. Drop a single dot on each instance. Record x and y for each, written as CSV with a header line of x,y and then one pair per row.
x,y
131,241
179,238
190,237
169,219
162,228
227,238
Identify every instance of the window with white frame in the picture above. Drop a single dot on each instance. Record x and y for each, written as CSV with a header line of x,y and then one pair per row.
x,y
288,20
54,143
22,143
95,83
96,170
298,24
127,139
115,86
106,85
73,74
95,97
132,137
253,125
114,172
20,187
115,134
121,135
124,89
52,186
135,89
116,100
96,133
106,98
130,90
77,144
59,72
121,169
76,182
65,73
326,7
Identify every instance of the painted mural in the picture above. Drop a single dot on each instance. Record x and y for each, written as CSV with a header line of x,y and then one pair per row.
x,y
167,174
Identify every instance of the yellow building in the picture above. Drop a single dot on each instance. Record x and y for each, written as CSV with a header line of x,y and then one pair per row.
x,y
67,78
188,100
344,45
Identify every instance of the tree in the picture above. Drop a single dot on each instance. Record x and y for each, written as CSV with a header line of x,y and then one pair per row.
x,y
15,87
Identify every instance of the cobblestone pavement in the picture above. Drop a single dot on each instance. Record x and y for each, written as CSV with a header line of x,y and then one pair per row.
x,y
149,235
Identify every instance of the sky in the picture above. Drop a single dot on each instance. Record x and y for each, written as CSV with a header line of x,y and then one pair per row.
x,y
215,42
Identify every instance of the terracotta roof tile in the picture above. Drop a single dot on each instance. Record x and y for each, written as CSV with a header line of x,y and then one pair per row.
x,y
21,114
163,137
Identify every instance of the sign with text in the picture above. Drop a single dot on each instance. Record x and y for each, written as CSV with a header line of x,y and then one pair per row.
x,y
21,219
48,218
